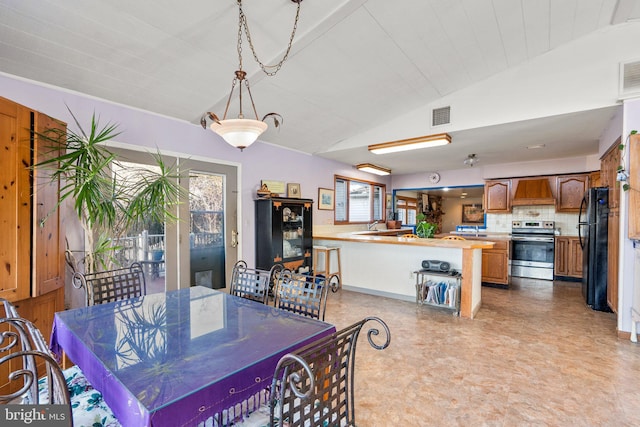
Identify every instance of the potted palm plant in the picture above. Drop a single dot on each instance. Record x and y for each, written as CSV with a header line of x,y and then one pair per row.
x,y
106,209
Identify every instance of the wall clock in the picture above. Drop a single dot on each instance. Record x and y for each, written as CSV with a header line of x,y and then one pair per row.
x,y
434,177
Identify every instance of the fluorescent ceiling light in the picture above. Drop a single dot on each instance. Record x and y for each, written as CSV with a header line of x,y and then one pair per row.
x,y
411,144
378,170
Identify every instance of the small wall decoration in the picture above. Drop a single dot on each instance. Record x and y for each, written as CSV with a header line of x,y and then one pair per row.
x,y
293,190
276,187
472,214
326,199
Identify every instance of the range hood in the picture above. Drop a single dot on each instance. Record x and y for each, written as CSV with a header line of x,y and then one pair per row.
x,y
533,192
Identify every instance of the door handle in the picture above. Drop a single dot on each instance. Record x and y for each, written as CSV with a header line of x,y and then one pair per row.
x,y
234,239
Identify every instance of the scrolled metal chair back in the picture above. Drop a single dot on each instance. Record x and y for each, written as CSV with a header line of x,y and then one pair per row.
x,y
315,385
33,374
252,283
304,294
112,285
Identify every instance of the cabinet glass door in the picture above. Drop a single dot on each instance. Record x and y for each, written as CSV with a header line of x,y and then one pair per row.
x,y
292,231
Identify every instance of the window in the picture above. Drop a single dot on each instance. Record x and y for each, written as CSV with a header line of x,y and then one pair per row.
x,y
358,201
407,209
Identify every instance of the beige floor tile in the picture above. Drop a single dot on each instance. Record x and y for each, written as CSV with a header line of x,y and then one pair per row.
x,y
535,355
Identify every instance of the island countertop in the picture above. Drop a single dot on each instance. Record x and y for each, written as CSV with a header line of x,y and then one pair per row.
x,y
365,237
387,265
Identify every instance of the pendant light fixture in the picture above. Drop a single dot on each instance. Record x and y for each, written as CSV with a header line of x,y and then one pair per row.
x,y
241,132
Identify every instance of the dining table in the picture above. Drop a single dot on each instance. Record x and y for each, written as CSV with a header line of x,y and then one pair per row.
x,y
179,357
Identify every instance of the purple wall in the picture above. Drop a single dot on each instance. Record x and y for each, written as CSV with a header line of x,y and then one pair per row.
x,y
144,129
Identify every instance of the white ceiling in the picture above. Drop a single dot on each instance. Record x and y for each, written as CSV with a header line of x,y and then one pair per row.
x,y
355,64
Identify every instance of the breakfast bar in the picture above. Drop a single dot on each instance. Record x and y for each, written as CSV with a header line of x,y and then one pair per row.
x,y
385,265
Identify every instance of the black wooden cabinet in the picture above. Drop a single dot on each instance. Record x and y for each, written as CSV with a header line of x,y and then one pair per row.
x,y
284,233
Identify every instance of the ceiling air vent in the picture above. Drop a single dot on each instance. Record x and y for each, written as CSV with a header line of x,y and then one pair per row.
x,y
630,79
441,116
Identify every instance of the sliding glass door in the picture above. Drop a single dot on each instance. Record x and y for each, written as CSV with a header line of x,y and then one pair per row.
x,y
200,248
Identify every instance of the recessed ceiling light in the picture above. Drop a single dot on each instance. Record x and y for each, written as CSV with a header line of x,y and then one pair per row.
x,y
464,194
535,147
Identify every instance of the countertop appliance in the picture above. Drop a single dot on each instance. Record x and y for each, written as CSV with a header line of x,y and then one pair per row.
x,y
593,232
532,249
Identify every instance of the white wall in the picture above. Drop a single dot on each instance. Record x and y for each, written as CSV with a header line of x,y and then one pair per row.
x,y
152,131
628,288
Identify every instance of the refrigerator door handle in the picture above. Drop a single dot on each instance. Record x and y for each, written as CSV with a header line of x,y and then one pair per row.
x,y
583,205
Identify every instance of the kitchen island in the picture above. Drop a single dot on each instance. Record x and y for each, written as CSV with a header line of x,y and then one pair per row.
x,y
385,265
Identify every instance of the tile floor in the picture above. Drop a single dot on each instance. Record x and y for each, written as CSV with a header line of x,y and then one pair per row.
x,y
534,355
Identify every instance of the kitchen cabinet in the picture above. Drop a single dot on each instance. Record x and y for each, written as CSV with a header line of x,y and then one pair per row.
x,y
608,171
31,250
568,257
495,263
284,233
497,196
570,190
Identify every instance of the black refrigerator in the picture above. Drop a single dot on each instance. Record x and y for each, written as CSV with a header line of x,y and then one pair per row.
x,y
593,232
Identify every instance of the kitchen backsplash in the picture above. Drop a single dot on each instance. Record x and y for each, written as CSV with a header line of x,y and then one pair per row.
x,y
567,223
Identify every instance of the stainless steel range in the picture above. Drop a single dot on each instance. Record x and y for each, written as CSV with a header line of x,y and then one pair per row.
x,y
532,249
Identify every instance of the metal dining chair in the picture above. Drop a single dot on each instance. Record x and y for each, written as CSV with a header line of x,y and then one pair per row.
x,y
252,283
111,285
314,386
36,378
410,236
304,294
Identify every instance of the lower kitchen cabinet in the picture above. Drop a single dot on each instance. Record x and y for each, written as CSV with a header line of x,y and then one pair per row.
x,y
568,257
495,263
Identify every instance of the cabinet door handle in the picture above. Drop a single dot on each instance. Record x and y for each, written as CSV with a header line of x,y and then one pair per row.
x,y
234,239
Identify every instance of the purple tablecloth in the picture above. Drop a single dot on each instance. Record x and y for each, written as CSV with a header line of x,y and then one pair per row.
x,y
178,358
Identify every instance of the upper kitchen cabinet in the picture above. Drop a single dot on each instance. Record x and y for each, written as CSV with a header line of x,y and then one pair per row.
x,y
570,190
608,170
634,187
497,196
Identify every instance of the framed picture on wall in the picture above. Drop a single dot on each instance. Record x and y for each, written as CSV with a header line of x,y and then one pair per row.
x,y
472,214
326,198
293,190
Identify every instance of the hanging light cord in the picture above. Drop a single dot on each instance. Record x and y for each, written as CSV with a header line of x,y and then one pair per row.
x,y
269,70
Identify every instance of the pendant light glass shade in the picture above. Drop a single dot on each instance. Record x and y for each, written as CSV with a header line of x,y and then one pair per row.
x,y
239,133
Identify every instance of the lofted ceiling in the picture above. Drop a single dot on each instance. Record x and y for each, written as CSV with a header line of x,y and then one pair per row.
x,y
355,65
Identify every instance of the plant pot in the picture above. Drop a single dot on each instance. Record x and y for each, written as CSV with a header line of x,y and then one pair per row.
x,y
394,224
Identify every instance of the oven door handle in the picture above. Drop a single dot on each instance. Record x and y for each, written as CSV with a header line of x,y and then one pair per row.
x,y
532,239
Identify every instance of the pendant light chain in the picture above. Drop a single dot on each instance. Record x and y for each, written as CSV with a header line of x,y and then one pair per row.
x,y
269,70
